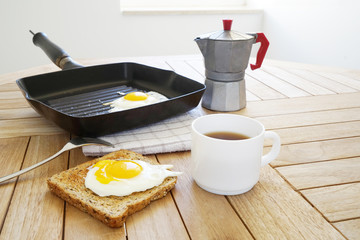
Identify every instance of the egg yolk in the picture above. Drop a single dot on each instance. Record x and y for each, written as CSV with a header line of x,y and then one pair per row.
x,y
112,170
136,96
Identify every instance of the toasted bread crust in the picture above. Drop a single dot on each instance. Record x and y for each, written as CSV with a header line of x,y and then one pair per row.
x,y
112,210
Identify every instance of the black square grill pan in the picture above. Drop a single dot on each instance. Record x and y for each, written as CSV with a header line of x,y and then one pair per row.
x,y
75,98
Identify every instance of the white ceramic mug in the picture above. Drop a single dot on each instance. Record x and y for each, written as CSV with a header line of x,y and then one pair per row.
x,y
229,167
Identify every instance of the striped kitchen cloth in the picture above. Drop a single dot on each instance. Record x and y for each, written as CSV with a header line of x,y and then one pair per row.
x,y
170,135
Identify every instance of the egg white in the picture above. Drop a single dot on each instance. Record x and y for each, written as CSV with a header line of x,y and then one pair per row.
x,y
123,104
149,177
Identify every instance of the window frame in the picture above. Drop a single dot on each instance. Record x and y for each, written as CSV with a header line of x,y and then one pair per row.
x,y
183,6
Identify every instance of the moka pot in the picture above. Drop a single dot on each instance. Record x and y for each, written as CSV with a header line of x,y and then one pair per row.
x,y
226,56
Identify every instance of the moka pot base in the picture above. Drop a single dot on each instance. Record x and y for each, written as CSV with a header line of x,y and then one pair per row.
x,y
224,96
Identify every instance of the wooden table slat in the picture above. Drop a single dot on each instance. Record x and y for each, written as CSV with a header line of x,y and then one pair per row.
x,y
206,215
337,203
160,219
34,211
301,104
261,90
13,103
323,81
251,97
280,85
5,95
318,132
9,114
350,228
341,78
321,174
27,127
317,151
9,87
297,81
310,118
12,152
186,70
197,64
270,211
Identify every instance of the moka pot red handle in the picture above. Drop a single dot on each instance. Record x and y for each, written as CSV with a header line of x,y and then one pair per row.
x,y
262,50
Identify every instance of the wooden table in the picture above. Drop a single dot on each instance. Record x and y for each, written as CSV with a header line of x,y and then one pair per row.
x,y
311,191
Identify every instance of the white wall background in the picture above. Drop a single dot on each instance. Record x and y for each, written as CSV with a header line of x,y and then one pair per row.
x,y
325,32
319,31
97,29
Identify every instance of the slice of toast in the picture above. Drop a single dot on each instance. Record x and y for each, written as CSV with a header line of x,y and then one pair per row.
x,y
112,210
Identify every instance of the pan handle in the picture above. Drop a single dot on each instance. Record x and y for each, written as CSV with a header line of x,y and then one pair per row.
x,y
54,52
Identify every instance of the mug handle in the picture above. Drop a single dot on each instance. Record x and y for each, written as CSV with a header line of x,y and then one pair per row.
x,y
275,149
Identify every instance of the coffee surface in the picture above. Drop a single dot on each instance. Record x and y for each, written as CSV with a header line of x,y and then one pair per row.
x,y
227,135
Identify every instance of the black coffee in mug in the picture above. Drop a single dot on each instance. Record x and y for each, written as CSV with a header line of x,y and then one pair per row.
x,y
227,135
